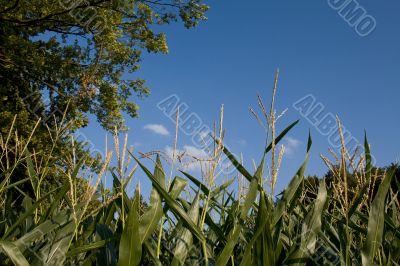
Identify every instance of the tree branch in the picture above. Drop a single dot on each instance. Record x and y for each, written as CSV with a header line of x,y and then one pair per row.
x,y
10,8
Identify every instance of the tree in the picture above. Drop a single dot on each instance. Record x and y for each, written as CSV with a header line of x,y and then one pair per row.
x,y
63,60
79,52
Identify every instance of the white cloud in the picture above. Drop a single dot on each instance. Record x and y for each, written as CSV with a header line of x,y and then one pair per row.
x,y
187,156
187,150
157,129
293,142
194,152
291,145
169,152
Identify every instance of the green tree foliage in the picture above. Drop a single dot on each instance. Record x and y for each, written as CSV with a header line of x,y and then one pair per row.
x,y
79,51
63,60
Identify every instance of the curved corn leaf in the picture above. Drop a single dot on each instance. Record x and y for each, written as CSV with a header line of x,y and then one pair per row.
x,y
85,248
119,187
368,159
237,227
150,219
205,189
222,187
294,185
30,211
59,220
28,223
199,184
16,183
150,250
54,252
247,257
13,252
175,208
31,171
360,194
264,249
311,227
177,186
130,250
107,251
236,163
253,189
230,245
56,202
184,236
376,221
280,136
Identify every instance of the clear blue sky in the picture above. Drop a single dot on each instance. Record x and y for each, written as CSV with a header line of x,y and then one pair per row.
x,y
232,57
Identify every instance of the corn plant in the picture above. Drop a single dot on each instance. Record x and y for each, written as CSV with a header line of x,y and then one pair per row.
x,y
80,222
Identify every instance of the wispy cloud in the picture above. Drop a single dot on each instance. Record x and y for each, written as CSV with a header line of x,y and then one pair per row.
x,y
194,152
187,150
157,129
291,145
187,156
242,142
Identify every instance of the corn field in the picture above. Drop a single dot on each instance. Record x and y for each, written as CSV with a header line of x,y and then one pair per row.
x,y
74,219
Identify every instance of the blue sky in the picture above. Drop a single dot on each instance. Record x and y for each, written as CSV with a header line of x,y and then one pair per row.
x,y
233,56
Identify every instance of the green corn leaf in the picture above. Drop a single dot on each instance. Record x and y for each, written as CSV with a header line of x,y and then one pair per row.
x,y
236,163
205,189
29,212
29,221
85,248
376,221
360,194
118,187
311,226
294,185
214,227
184,236
208,220
13,252
31,170
222,187
368,158
264,249
150,250
56,201
344,244
177,186
281,135
54,252
58,221
130,249
106,253
237,227
198,183
247,259
150,219
227,252
17,183
329,237
250,198
174,207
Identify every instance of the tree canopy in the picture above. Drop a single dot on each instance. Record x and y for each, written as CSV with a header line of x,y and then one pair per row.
x,y
79,53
